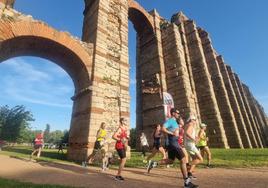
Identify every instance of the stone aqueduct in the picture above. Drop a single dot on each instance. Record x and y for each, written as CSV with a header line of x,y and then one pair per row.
x,y
176,57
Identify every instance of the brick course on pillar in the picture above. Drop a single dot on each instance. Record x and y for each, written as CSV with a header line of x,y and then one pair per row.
x,y
230,126
242,107
209,110
234,104
249,112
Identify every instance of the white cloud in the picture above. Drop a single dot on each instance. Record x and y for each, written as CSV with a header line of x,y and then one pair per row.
x,y
23,81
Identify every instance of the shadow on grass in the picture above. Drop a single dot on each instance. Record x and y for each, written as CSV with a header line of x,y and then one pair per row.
x,y
46,154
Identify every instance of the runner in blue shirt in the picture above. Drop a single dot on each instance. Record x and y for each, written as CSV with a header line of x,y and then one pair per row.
x,y
171,128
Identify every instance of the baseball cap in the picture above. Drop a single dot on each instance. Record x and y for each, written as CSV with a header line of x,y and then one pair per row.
x,y
203,125
172,110
191,117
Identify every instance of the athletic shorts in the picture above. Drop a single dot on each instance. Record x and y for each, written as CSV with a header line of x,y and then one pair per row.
x,y
97,145
157,145
37,146
175,152
191,149
201,147
121,153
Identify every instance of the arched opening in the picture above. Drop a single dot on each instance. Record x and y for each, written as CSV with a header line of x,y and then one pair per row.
x,y
145,72
76,62
44,89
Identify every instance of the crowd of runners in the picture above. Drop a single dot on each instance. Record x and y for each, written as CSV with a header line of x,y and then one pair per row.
x,y
184,140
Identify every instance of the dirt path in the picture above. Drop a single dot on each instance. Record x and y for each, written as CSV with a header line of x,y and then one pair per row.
x,y
74,175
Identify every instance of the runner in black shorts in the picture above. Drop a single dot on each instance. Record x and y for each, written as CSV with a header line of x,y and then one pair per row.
x,y
171,128
157,134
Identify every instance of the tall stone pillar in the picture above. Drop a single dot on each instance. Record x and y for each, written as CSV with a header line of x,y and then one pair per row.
x,y
151,78
234,104
264,118
106,26
242,107
178,80
249,112
230,126
8,3
179,19
209,110
256,114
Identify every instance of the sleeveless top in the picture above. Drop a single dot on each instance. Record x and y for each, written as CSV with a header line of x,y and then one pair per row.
x,y
123,135
203,140
102,134
190,141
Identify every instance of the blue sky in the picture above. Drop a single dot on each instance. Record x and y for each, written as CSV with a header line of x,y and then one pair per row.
x,y
238,30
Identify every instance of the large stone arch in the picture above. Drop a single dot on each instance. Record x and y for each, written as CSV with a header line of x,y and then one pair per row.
x,y
22,36
140,18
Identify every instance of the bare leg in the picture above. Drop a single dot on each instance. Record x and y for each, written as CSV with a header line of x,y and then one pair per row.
x,y
152,154
207,151
162,150
196,160
39,152
121,166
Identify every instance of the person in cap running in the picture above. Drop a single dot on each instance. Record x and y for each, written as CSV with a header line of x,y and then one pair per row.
x,y
174,150
121,136
190,140
202,144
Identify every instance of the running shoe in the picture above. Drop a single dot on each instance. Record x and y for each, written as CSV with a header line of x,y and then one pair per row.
x,y
119,178
190,185
150,166
190,175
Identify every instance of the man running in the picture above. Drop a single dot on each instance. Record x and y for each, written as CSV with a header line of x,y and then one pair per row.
x,y
121,136
174,151
190,141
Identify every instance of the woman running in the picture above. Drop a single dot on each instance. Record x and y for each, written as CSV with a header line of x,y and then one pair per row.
x,y
202,144
157,134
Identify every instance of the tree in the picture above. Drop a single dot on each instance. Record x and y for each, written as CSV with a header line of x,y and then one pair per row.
x,y
14,123
47,133
55,137
133,138
65,138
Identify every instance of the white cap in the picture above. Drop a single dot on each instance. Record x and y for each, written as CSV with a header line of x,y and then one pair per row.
x,y
191,117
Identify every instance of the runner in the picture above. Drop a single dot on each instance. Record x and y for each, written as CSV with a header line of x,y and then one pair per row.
x,y
174,150
181,140
190,140
157,134
202,144
38,144
121,136
101,137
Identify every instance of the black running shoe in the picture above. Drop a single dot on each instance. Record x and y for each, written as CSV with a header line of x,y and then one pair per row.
x,y
119,178
190,185
190,175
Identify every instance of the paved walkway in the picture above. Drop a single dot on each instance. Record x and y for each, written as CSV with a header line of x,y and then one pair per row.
x,y
74,175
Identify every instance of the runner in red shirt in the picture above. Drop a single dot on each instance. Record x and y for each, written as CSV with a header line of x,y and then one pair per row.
x,y
38,144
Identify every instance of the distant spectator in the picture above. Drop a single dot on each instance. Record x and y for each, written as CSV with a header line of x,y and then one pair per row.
x,y
60,148
144,144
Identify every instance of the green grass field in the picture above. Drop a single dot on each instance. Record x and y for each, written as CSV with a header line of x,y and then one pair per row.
x,y
226,158
223,158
